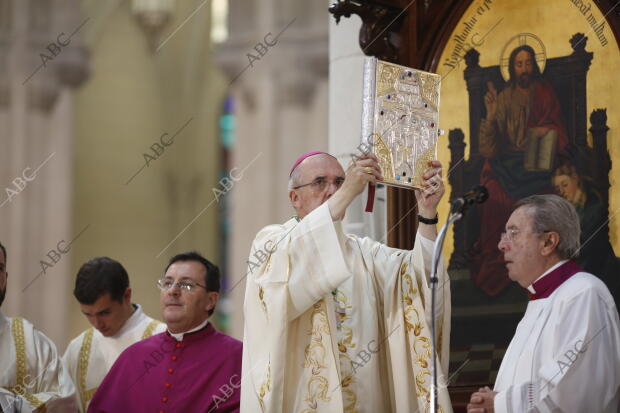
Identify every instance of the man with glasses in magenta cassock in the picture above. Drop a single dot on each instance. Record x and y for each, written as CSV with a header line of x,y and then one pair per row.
x,y
191,367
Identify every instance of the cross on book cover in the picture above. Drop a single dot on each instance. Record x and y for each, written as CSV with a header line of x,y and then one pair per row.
x,y
400,115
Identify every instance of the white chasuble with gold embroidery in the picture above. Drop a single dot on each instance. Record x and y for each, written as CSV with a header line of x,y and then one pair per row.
x,y
32,375
90,355
337,323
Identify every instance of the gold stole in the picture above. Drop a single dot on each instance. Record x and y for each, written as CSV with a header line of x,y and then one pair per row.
x,y
21,366
87,395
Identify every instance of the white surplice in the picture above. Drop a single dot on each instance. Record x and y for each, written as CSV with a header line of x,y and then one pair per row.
x,y
32,375
90,355
336,323
565,355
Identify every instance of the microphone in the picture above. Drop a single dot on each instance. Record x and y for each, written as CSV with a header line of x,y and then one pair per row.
x,y
477,195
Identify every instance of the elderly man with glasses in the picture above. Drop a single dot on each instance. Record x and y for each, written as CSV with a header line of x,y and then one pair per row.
x,y
338,323
565,355
189,368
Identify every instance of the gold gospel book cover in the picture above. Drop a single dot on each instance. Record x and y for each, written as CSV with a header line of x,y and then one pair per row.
x,y
400,113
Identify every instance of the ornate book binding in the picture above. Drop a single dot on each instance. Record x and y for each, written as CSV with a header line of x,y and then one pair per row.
x,y
399,120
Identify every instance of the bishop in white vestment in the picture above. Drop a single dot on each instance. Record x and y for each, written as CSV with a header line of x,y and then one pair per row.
x,y
90,355
338,323
565,354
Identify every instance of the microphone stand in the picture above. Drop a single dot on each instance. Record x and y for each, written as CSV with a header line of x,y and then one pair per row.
x,y
477,195
452,218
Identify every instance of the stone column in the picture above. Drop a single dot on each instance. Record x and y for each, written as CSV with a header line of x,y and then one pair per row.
x,y
280,110
41,63
346,63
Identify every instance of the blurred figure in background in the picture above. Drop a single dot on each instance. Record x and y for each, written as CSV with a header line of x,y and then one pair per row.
x,y
596,254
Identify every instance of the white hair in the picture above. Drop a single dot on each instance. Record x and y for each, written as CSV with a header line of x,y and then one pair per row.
x,y
293,180
554,213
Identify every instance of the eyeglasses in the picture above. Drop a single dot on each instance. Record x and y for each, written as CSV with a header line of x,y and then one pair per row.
x,y
512,234
166,284
320,183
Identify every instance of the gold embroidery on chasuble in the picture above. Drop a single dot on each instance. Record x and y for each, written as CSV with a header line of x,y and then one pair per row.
x,y
345,344
85,395
265,388
21,366
261,291
261,298
148,332
421,344
314,358
268,266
